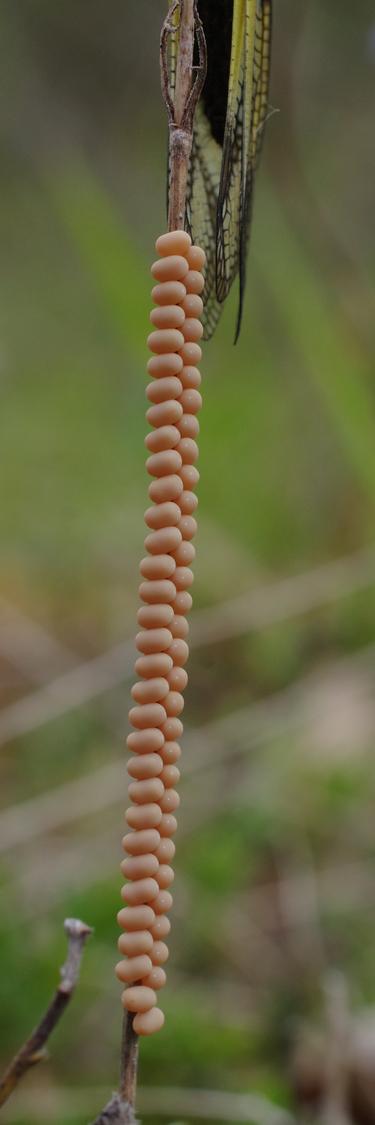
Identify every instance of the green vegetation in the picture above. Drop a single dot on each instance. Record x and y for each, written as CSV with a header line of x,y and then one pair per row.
x,y
287,484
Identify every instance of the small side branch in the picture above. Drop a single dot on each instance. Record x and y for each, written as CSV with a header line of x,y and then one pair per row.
x,y
33,1051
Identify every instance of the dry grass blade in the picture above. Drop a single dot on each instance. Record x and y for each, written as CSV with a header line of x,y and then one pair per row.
x,y
285,712
30,647
263,607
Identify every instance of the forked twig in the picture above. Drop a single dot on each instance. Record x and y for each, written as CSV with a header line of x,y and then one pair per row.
x,y
33,1051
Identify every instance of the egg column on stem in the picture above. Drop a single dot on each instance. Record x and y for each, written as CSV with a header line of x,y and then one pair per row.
x,y
162,641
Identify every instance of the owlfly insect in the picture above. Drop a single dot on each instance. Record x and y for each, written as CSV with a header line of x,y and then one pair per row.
x,y
226,112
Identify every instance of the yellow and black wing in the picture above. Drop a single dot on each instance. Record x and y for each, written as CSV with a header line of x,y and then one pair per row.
x,y
228,131
260,79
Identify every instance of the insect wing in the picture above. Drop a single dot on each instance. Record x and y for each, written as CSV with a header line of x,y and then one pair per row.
x,y
246,116
261,77
258,58
201,208
230,190
221,177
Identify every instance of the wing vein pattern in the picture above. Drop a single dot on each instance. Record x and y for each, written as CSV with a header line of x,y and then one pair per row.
x,y
227,140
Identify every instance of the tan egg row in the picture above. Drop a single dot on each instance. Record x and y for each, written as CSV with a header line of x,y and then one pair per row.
x,y
166,577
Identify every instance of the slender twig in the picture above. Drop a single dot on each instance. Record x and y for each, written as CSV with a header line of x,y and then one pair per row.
x,y
33,1051
129,1060
182,16
120,1109
184,22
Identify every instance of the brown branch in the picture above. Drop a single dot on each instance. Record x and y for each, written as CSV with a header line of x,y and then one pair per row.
x,y
184,67
120,1109
181,106
33,1051
129,1060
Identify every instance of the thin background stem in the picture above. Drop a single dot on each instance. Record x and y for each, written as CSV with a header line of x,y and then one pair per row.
x,y
33,1050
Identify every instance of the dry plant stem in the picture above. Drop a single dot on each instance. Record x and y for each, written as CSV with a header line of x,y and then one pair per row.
x,y
120,1108
33,1050
182,107
184,71
180,110
180,116
129,1060
117,1112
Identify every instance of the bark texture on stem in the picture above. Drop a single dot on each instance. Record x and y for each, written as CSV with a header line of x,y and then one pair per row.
x,y
180,137
129,1060
120,1108
33,1051
182,101
117,1112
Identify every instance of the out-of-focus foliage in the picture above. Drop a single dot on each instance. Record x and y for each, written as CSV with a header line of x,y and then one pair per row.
x,y
275,859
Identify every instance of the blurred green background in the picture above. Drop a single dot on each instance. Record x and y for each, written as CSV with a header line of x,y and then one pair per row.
x,y
274,882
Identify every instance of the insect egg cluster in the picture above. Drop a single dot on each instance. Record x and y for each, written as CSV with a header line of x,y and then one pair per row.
x,y
166,577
